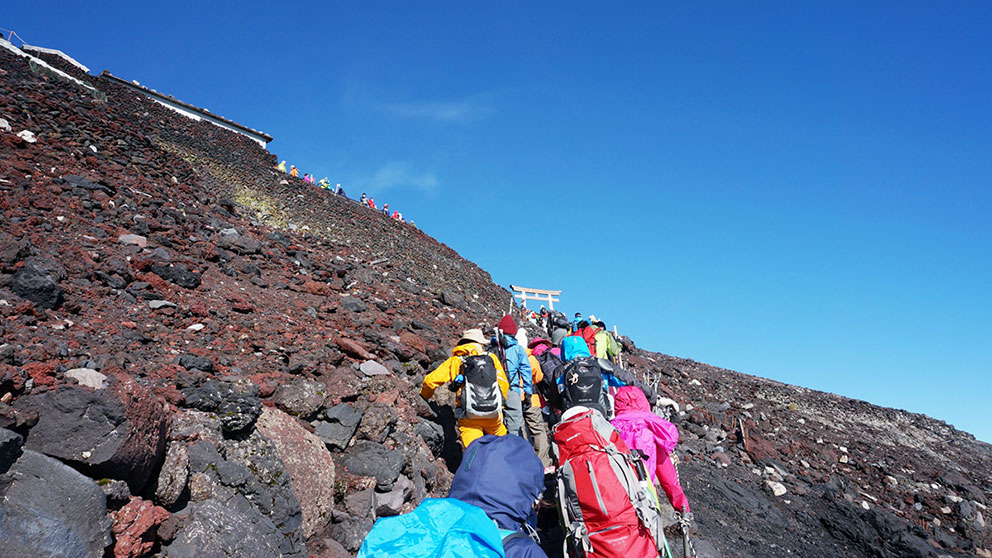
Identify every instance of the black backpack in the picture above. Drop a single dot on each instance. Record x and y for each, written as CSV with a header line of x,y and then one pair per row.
x,y
480,396
551,367
558,320
583,384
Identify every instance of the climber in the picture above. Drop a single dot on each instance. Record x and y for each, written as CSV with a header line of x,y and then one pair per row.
x,y
606,345
396,215
385,209
576,320
501,476
517,372
557,327
479,403
364,199
654,436
372,203
324,183
587,333
281,166
537,428
549,360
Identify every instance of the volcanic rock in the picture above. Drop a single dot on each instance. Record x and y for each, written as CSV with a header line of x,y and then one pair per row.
x,y
172,478
135,526
372,459
341,424
300,398
177,274
310,467
10,448
49,509
87,377
117,433
34,284
373,368
215,530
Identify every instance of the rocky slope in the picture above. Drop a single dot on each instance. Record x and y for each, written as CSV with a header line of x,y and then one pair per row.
x,y
204,357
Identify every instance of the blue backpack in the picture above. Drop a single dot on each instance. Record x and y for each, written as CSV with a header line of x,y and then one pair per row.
x,y
573,347
438,528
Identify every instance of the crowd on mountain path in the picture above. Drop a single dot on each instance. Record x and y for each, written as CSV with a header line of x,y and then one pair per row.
x,y
325,184
546,423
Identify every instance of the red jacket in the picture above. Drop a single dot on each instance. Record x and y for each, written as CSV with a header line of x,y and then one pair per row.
x,y
588,334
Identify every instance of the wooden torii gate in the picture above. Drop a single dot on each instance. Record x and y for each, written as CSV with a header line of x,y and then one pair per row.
x,y
541,295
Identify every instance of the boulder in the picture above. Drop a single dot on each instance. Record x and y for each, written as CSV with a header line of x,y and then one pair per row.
x,y
451,298
231,239
49,509
237,411
352,348
10,448
391,503
34,284
173,476
118,433
353,304
432,434
133,240
372,459
351,532
378,422
373,368
177,274
117,492
337,430
309,464
216,530
300,398
135,527
87,377
193,362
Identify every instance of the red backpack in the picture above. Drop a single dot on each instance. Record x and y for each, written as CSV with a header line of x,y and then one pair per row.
x,y
604,507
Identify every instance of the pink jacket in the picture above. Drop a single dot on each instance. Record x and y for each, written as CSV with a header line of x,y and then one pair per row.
x,y
653,435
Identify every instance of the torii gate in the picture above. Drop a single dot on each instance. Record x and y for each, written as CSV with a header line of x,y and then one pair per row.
x,y
541,295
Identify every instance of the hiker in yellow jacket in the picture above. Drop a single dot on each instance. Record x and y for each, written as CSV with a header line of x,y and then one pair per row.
x,y
469,428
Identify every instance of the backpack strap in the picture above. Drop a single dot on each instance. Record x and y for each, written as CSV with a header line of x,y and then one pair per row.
x,y
513,535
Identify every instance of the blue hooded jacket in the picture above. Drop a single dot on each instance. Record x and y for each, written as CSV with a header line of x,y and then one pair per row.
x,y
518,370
503,476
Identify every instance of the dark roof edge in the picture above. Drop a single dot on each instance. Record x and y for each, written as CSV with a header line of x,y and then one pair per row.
x,y
170,99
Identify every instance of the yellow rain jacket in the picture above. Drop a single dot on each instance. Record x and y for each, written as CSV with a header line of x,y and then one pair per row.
x,y
537,375
469,428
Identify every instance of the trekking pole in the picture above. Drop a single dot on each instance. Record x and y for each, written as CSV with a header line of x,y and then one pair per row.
x,y
684,525
620,354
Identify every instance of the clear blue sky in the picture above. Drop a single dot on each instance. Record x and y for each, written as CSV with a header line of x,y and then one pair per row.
x,y
797,192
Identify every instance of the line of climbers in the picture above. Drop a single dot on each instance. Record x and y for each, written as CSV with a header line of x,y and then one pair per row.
x,y
600,465
325,184
370,202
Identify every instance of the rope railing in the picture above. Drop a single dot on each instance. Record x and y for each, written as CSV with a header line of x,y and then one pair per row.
x,y
9,35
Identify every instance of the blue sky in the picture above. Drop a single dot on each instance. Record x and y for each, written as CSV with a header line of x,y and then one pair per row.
x,y
800,192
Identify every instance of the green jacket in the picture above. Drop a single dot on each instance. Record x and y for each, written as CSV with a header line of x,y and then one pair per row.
x,y
606,345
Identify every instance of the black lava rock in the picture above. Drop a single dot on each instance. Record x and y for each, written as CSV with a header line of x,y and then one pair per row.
x,y
177,274
32,283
